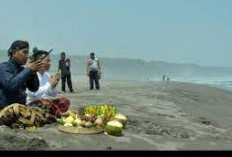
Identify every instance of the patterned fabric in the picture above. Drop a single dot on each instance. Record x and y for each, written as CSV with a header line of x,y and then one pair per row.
x,y
20,116
37,114
52,106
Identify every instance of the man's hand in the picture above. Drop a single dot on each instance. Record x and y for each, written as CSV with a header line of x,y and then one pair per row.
x,y
34,66
57,76
54,80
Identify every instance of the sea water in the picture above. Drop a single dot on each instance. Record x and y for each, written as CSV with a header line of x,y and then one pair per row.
x,y
221,83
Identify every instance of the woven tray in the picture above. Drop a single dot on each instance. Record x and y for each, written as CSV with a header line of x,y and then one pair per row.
x,y
80,130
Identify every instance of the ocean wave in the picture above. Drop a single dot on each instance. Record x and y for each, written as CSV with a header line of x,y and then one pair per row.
x,y
222,83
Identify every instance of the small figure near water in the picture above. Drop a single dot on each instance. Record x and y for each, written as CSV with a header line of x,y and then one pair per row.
x,y
164,77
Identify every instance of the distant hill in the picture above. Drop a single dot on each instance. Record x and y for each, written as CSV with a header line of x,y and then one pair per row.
x,y
132,69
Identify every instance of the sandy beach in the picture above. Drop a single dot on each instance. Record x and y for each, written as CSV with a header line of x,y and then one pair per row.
x,y
161,116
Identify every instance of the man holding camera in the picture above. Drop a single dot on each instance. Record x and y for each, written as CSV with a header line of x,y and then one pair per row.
x,y
17,74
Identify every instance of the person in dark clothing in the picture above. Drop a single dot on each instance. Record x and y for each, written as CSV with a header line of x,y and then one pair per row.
x,y
93,71
16,76
164,76
64,67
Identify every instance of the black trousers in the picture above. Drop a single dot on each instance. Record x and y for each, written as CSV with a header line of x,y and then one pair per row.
x,y
93,77
69,81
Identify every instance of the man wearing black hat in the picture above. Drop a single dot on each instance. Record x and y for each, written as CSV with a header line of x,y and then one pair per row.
x,y
16,76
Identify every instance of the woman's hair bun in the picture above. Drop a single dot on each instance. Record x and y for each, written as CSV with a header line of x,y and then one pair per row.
x,y
35,50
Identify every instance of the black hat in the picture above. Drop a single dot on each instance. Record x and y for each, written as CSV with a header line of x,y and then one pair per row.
x,y
18,45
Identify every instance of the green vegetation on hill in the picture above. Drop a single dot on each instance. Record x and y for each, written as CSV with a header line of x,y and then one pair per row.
x,y
132,69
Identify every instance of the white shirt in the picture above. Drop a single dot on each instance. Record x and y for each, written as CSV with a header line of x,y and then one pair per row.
x,y
45,88
94,64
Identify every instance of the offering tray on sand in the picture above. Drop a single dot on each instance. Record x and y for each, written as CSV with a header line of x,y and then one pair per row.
x,y
81,130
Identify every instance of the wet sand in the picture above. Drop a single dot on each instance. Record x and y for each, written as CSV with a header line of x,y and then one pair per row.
x,y
161,116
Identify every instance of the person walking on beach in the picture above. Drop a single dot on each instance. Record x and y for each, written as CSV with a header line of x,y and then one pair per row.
x,y
93,71
64,67
17,74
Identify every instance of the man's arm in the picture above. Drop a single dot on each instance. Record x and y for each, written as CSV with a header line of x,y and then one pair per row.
x,y
33,82
48,88
99,66
43,90
11,82
88,62
69,62
59,66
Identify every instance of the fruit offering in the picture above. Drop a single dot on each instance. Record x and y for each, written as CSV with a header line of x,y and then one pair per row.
x,y
98,116
114,128
86,121
106,112
93,110
121,118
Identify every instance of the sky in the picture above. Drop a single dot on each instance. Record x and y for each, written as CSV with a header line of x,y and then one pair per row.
x,y
179,31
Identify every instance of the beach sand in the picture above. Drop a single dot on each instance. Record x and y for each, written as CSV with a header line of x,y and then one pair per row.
x,y
161,116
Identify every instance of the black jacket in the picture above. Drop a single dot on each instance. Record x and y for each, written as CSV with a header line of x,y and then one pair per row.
x,y
14,79
65,70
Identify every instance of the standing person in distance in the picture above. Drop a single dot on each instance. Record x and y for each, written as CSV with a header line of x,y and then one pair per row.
x,y
93,71
64,67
